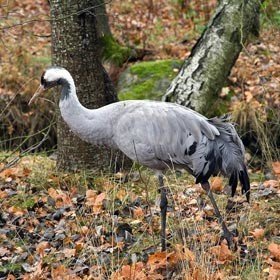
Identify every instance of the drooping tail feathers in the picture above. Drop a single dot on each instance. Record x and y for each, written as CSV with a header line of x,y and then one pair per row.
x,y
230,155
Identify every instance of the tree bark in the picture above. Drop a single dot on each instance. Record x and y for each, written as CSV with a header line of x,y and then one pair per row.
x,y
204,73
102,23
75,46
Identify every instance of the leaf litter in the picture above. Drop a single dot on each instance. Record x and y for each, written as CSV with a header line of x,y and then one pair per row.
x,y
90,233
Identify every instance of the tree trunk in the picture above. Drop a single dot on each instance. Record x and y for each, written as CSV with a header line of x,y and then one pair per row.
x,y
204,73
102,23
75,46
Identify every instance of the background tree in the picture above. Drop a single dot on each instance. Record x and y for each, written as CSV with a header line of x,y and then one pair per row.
x,y
76,46
205,71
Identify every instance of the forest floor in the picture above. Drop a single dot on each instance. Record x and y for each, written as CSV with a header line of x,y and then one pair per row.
x,y
57,225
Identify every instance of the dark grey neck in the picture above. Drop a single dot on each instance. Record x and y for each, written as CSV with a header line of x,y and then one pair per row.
x,y
65,92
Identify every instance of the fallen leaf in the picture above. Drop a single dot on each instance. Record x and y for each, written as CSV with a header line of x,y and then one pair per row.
x,y
249,96
271,183
17,211
162,260
95,201
221,252
41,247
274,250
10,277
217,184
3,251
59,272
274,274
3,194
61,198
68,252
258,233
184,253
276,168
138,212
134,271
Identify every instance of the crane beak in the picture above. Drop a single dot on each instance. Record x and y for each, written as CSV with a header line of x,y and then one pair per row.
x,y
36,94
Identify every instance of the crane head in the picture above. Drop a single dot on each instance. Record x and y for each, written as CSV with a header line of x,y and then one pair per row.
x,y
52,77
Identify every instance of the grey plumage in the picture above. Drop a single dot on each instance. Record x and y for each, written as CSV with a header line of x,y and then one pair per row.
x,y
158,135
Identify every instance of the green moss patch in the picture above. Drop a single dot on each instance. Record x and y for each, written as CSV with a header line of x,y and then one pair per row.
x,y
147,80
114,52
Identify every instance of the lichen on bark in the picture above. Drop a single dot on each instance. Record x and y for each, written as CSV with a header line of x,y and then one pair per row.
x,y
205,71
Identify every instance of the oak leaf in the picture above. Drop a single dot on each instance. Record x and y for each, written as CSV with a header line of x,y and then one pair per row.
x,y
274,250
160,260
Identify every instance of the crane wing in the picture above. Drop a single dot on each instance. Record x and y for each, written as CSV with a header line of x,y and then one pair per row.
x,y
156,133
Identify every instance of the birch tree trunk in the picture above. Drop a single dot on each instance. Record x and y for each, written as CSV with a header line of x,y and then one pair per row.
x,y
205,71
75,46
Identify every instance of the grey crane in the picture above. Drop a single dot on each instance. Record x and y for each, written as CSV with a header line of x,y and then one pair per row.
x,y
158,135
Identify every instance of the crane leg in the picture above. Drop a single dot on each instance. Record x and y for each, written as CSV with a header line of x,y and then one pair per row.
x,y
163,210
227,234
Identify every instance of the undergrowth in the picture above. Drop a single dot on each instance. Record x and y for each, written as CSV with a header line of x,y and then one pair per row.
x,y
97,224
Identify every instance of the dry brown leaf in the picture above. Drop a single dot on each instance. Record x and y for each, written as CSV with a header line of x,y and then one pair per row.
x,y
274,250
10,277
3,194
17,211
276,168
3,251
221,252
41,247
120,245
184,253
275,265
95,201
271,183
15,172
61,198
53,193
9,172
60,272
138,212
216,184
258,233
134,271
274,271
219,275
160,260
68,252
274,274
249,96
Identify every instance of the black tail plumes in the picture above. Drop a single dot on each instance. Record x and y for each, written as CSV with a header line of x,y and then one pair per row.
x,y
230,150
244,179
